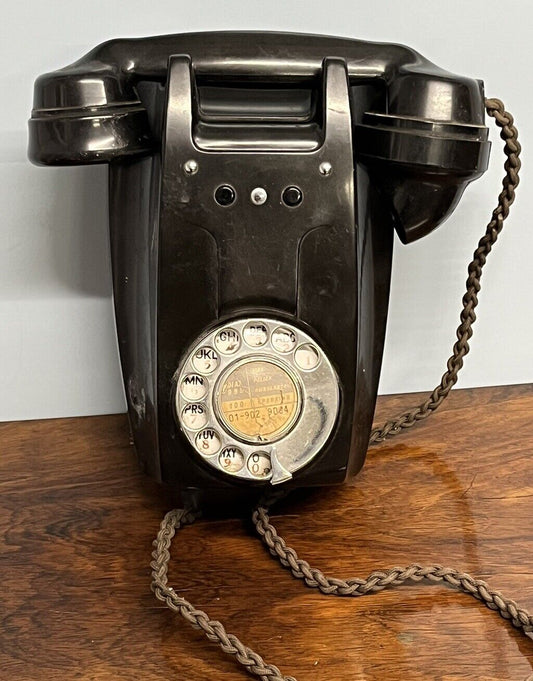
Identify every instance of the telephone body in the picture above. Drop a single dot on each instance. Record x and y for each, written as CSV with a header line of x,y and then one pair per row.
x,y
255,181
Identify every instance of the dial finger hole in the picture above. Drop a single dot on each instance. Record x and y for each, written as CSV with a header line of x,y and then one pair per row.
x,y
306,357
194,416
208,442
231,459
194,387
259,464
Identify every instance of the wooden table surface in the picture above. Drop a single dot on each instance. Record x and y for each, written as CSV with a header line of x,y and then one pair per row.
x,y
78,520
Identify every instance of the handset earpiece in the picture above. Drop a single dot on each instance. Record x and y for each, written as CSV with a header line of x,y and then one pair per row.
x,y
86,118
421,165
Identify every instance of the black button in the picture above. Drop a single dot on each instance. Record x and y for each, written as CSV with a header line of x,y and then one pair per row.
x,y
292,196
225,195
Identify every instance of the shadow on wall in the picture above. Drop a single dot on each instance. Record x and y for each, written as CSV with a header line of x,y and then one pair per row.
x,y
55,233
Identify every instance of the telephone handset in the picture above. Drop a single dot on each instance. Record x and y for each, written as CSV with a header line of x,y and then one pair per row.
x,y
255,183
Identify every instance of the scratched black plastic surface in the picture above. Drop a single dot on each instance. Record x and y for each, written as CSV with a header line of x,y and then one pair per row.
x,y
257,115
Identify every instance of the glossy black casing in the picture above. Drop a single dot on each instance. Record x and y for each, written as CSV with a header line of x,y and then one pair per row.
x,y
403,138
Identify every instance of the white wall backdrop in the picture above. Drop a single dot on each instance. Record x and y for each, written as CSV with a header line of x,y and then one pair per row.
x,y
58,353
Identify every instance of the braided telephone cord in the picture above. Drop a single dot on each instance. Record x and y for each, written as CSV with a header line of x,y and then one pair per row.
x,y
215,631
379,579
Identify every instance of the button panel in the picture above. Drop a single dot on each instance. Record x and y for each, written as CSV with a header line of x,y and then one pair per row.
x,y
257,399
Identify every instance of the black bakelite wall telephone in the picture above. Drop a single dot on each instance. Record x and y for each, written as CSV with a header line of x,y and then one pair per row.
x,y
255,182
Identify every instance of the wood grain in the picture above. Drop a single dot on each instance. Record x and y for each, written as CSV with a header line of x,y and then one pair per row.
x,y
77,521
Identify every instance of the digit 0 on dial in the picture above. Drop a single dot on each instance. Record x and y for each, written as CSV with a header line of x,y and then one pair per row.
x,y
256,398
259,464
